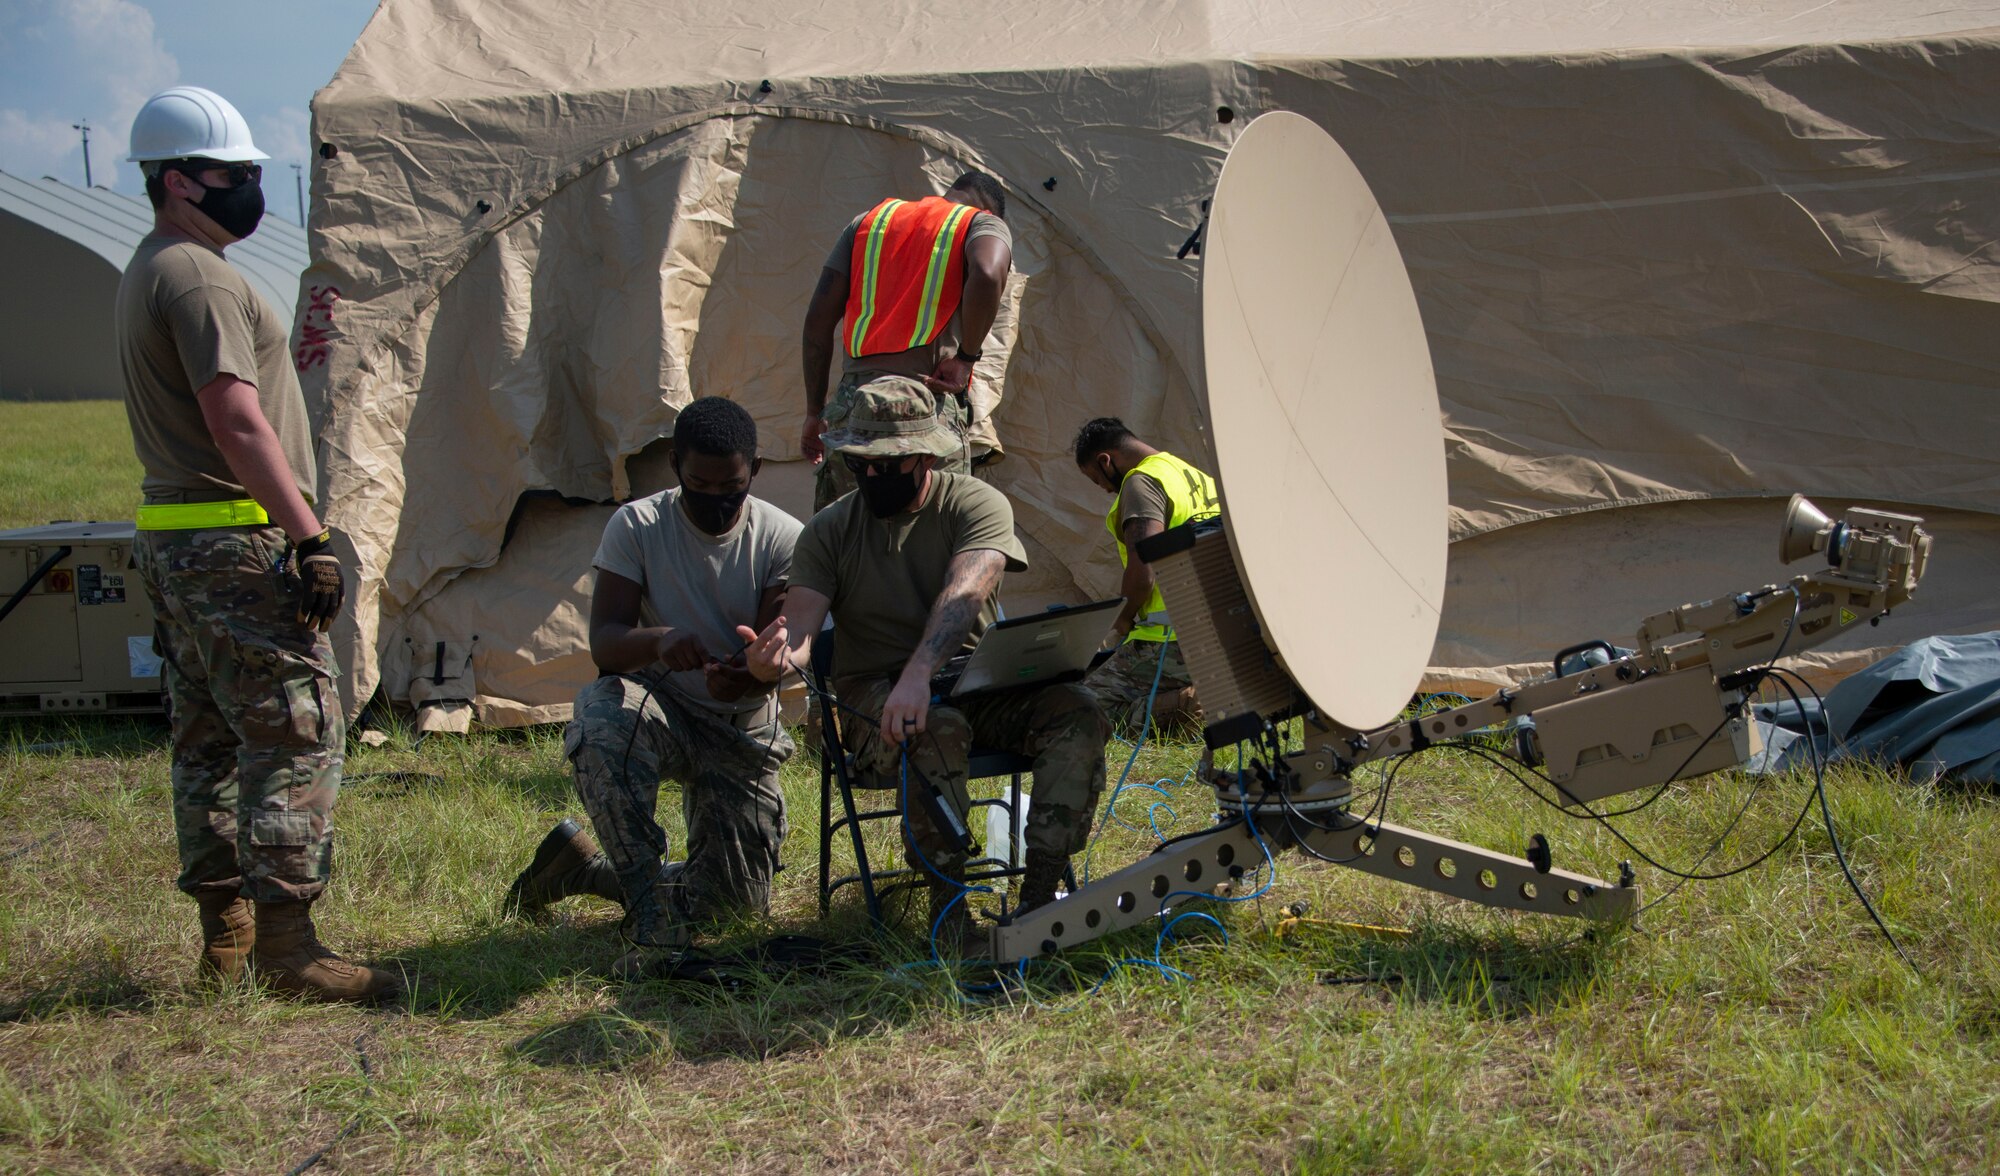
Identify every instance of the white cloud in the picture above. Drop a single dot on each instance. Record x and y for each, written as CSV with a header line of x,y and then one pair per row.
x,y
71,60
283,135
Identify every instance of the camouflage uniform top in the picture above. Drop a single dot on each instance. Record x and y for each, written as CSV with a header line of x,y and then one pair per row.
x,y
185,316
883,575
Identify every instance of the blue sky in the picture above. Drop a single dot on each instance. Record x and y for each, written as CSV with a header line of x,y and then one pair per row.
x,y
62,61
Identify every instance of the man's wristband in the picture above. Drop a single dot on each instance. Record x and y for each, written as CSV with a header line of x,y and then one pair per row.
x,y
968,356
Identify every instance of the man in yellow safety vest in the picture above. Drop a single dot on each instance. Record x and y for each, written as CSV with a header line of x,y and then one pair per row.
x,y
913,287
1152,491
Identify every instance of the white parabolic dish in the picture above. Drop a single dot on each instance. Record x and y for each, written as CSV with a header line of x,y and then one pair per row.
x,y
1323,410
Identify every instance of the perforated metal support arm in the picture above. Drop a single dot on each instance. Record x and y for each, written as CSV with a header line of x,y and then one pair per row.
x,y
1137,894
1467,871
1186,871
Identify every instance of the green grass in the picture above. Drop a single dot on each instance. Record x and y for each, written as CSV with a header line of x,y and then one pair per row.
x,y
1756,1024
65,460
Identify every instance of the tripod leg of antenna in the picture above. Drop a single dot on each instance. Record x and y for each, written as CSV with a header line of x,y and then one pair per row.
x,y
1469,872
1132,896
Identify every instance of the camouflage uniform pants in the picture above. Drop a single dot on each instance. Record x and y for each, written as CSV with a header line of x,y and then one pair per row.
x,y
1060,726
834,478
1126,680
257,729
630,731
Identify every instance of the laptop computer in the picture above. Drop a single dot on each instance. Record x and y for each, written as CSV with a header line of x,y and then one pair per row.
x,y
1058,645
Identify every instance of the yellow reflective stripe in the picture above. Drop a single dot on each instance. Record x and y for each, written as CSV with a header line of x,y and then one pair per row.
x,y
187,516
934,277
871,264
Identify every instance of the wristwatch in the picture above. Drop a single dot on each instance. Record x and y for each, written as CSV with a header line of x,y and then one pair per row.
x,y
968,356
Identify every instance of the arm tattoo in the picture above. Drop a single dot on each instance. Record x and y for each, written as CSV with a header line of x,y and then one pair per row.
x,y
969,580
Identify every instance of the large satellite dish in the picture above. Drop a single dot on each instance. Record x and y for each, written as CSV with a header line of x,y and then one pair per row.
x,y
1322,407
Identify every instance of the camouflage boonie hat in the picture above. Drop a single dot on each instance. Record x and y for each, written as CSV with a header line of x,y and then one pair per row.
x,y
893,416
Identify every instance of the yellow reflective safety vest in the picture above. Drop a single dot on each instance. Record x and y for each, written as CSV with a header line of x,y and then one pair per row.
x,y
1190,495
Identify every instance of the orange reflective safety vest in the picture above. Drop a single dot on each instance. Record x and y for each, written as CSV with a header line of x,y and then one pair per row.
x,y
907,274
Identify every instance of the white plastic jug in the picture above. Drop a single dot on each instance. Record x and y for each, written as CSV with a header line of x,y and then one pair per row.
x,y
1002,843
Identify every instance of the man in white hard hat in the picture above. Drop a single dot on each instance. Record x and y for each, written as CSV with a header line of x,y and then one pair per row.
x,y
240,570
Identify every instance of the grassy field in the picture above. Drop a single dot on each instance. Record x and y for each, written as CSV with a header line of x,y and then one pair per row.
x,y
1753,1024
1757,1024
65,460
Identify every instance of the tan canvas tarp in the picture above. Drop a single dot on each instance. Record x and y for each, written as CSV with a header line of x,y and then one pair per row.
x,y
1674,265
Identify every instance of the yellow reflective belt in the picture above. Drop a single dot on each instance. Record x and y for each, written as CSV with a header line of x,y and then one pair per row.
x,y
188,516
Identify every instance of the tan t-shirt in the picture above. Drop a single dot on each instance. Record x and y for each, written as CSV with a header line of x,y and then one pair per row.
x,y
1140,496
184,317
917,362
883,575
697,582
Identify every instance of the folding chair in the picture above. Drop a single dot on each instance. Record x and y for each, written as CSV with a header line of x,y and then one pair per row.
x,y
837,771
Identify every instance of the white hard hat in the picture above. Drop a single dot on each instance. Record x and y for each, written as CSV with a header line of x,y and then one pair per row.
x,y
188,121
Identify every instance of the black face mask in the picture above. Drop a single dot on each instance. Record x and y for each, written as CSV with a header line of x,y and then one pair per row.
x,y
1110,471
713,513
887,494
235,211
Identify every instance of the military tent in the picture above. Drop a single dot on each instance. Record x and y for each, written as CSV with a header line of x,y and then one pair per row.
x,y
1675,261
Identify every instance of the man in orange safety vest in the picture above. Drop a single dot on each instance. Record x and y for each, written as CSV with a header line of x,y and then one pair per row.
x,y
908,294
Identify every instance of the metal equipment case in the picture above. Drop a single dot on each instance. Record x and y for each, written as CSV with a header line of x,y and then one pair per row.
x,y
79,636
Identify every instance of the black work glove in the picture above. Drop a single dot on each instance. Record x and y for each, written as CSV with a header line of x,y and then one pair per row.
x,y
322,586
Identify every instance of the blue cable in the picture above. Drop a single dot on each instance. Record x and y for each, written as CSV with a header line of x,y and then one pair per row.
x,y
1167,970
1250,824
911,839
1145,732
1166,928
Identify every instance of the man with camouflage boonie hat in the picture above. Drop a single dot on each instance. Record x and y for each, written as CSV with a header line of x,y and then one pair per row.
x,y
914,287
909,565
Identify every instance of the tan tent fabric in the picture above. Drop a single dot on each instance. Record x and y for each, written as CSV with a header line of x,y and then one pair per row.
x,y
1691,254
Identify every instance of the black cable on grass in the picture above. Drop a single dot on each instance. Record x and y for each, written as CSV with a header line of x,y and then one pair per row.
x,y
1826,816
1717,842
1508,765
30,847
367,1088
1589,813
1817,793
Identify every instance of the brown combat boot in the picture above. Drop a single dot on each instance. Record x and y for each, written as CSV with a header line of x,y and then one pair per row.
x,y
290,958
1038,885
228,931
567,862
